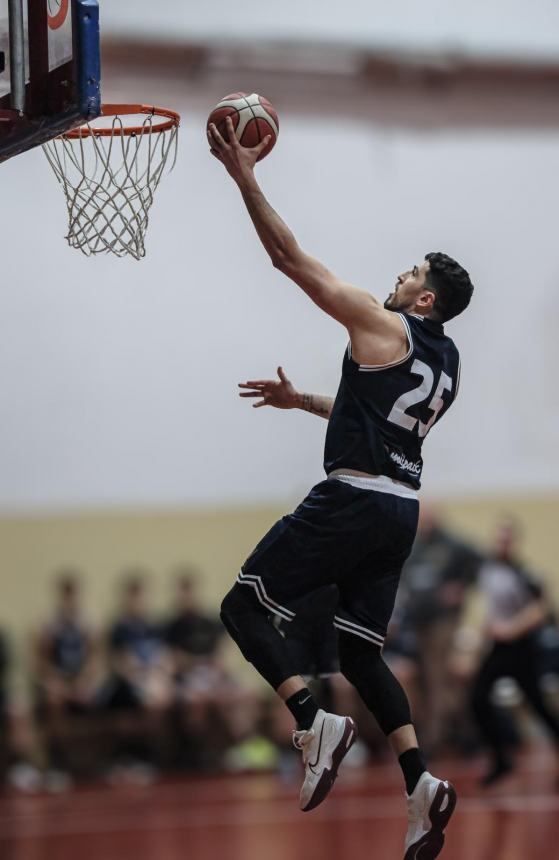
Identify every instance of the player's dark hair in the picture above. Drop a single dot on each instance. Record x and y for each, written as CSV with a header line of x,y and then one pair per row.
x,y
451,284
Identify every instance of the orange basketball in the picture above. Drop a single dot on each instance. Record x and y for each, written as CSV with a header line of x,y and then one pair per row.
x,y
254,117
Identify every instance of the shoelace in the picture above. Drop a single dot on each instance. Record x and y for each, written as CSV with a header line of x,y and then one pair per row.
x,y
301,741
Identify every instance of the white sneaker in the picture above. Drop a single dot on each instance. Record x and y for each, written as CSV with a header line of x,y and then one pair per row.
x,y
430,807
324,746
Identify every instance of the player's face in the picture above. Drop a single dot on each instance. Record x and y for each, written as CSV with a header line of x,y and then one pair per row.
x,y
410,289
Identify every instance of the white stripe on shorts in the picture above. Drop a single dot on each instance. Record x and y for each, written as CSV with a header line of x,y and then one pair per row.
x,y
363,632
256,583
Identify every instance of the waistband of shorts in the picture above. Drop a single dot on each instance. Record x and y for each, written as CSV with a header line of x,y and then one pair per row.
x,y
378,483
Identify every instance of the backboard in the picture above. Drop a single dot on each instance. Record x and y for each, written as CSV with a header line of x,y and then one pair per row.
x,y
49,70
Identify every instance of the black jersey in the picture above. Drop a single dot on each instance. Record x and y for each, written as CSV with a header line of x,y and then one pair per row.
x,y
381,415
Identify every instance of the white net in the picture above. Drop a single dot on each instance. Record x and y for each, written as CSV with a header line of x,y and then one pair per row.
x,y
110,170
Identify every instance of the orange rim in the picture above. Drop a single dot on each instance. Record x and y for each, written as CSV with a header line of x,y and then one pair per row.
x,y
172,121
56,21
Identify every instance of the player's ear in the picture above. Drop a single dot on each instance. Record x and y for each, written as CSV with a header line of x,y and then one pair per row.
x,y
427,300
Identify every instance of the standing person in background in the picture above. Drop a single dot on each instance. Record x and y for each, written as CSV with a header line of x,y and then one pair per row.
x,y
400,374
517,611
435,580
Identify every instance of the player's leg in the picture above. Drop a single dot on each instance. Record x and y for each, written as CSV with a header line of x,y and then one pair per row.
x,y
297,556
367,597
248,623
324,739
528,674
497,664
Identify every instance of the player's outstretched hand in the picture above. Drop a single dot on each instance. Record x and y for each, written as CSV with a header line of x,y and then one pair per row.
x,y
279,393
238,160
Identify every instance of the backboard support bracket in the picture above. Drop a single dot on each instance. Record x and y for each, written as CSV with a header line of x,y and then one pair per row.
x,y
17,56
54,95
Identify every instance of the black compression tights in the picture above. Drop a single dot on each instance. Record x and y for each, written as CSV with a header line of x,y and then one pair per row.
x,y
248,623
361,662
363,666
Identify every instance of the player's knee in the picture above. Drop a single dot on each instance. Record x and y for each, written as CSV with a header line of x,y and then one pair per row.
x,y
235,607
229,611
357,657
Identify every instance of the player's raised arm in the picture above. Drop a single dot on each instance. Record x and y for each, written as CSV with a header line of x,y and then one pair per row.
x,y
355,308
282,394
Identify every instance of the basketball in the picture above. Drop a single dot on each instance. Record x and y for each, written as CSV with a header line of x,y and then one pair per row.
x,y
254,117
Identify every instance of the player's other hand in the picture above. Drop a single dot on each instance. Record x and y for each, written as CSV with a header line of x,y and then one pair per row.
x,y
272,392
238,160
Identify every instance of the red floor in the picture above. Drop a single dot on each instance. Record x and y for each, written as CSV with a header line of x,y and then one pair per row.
x,y
256,818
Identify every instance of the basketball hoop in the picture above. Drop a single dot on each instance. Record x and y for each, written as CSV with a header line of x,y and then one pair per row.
x,y
110,170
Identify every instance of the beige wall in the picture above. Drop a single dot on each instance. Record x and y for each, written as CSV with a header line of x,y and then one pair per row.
x,y
103,545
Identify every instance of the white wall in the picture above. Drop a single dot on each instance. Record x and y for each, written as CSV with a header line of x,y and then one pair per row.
x,y
507,27
118,379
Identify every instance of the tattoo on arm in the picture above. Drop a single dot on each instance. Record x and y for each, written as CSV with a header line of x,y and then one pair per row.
x,y
317,404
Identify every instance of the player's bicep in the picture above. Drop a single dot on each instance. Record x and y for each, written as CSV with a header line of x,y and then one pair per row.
x,y
347,304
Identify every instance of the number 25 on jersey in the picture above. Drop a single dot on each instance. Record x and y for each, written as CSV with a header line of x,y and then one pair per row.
x,y
399,413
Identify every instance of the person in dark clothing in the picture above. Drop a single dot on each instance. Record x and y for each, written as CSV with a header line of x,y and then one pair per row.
x,y
4,721
517,613
67,678
400,374
191,632
139,690
435,581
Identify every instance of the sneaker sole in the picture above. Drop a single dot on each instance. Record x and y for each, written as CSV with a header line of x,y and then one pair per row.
x,y
431,843
328,777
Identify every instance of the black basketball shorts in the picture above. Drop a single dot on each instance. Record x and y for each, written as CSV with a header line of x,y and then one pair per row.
x,y
353,536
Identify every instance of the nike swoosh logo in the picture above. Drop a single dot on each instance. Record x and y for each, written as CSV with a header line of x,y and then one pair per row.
x,y
314,763
304,700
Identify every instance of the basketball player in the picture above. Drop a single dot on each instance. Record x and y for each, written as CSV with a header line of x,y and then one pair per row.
x,y
400,374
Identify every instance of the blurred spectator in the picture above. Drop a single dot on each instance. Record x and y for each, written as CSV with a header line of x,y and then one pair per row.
x,y
4,750
191,633
517,614
138,693
434,583
17,738
67,675
215,710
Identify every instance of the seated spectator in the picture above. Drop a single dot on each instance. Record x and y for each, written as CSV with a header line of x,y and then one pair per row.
x,y
17,739
67,674
214,709
139,691
517,613
3,704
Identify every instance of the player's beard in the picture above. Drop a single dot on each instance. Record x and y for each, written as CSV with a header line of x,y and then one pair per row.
x,y
391,303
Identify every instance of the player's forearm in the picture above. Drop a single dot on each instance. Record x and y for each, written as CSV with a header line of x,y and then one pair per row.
x,y
317,404
528,619
275,235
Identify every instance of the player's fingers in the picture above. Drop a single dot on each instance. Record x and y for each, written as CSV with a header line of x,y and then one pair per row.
x,y
253,383
262,403
282,375
250,394
216,137
252,387
263,144
231,133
